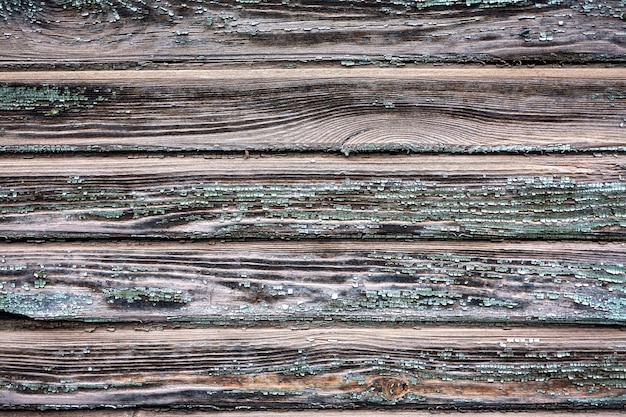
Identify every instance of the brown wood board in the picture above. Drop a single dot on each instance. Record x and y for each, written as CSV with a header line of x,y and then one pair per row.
x,y
313,283
453,110
229,369
314,196
269,32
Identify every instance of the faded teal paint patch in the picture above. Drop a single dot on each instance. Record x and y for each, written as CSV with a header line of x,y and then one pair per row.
x,y
116,10
66,386
49,99
44,304
400,208
142,296
27,8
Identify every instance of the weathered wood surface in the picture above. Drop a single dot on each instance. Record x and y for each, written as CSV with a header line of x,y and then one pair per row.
x,y
224,369
319,282
145,208
314,196
128,33
470,110
100,301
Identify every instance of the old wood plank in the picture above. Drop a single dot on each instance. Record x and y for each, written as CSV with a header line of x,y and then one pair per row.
x,y
226,369
314,196
317,282
470,110
120,32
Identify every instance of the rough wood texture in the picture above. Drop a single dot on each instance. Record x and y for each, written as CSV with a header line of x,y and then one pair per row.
x,y
145,208
123,32
314,196
325,368
469,110
323,282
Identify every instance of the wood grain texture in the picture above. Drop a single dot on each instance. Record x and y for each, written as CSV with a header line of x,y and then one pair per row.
x,y
310,283
121,32
352,110
227,369
314,196
160,256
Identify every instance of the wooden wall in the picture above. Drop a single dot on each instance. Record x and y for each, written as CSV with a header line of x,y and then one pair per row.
x,y
324,207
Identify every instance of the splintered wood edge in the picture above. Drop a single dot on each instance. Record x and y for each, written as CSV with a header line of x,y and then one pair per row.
x,y
113,335
310,73
582,166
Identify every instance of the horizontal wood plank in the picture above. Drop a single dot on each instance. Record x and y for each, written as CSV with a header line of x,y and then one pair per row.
x,y
118,33
351,110
226,369
317,282
314,196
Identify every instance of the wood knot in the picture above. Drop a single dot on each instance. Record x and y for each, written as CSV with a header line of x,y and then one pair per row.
x,y
392,388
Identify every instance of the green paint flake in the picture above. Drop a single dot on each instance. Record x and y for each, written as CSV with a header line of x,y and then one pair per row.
x,y
113,10
142,295
44,304
116,10
401,208
65,386
48,99
616,95
397,298
40,274
28,8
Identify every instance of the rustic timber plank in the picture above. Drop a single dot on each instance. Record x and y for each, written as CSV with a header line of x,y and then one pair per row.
x,y
226,369
314,196
469,110
128,33
262,283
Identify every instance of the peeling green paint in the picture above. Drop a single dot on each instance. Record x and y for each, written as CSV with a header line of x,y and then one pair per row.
x,y
28,8
400,208
65,386
400,298
116,10
50,100
430,287
140,296
44,304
